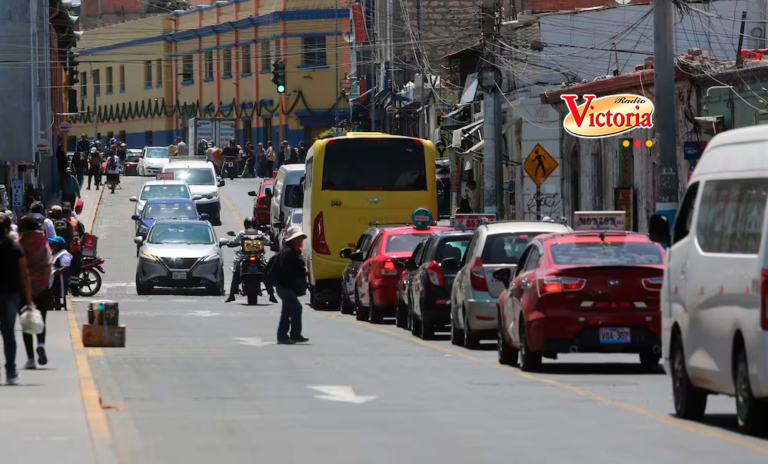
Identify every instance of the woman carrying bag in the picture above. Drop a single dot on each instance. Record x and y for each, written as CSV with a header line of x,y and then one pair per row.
x,y
35,244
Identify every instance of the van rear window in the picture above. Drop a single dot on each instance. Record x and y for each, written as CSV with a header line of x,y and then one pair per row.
x,y
374,164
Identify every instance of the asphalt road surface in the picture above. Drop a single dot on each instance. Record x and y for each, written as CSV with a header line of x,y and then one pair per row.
x,y
202,381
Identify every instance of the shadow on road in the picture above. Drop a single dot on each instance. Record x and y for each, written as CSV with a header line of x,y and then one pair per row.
x,y
727,422
599,369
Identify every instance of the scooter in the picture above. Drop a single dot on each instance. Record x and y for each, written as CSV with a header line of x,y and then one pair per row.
x,y
90,280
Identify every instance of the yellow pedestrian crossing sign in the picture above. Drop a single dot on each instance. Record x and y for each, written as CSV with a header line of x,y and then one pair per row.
x,y
540,164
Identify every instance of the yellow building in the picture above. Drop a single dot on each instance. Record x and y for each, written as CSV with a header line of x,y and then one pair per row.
x,y
149,77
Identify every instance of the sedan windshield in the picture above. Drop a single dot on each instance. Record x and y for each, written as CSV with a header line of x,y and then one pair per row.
x,y
200,176
164,191
170,210
607,254
506,248
157,152
403,243
188,234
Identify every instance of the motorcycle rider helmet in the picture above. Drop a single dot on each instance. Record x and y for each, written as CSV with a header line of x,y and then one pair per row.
x,y
250,223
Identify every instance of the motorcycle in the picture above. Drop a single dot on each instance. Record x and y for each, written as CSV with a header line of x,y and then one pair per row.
x,y
253,263
90,280
230,167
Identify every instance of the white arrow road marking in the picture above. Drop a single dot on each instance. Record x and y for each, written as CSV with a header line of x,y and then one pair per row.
x,y
252,341
341,394
202,314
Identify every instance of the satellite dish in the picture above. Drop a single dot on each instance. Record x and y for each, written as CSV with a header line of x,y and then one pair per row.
x,y
349,37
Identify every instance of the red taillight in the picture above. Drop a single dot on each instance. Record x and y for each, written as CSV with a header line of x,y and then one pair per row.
x,y
477,276
318,237
389,268
435,274
252,258
553,284
653,283
261,201
128,165
763,298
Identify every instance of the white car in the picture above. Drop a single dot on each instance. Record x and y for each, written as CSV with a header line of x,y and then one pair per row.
x,y
162,189
153,160
295,217
202,180
714,298
282,201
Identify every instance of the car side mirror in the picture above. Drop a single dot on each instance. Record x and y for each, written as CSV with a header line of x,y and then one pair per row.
x,y
231,234
135,217
204,217
345,253
221,182
223,242
356,256
503,275
134,199
138,240
251,193
451,264
658,229
197,197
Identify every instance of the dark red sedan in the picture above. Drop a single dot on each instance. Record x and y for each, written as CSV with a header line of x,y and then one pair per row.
x,y
585,292
261,203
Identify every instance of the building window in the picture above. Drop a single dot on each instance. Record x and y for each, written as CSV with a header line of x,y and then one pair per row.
x,y
245,60
209,65
266,58
159,73
121,136
83,84
227,62
109,80
147,74
122,78
188,67
314,51
96,83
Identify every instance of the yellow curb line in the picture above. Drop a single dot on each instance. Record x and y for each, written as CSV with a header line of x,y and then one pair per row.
x,y
692,426
92,218
231,208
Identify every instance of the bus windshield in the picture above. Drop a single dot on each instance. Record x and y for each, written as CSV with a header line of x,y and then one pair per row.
x,y
393,164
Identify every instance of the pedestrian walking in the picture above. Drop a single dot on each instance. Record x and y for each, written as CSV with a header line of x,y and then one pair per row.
x,y
122,152
37,210
83,145
474,197
14,228
113,172
14,288
61,160
70,188
269,154
61,261
62,226
302,153
75,247
79,166
250,161
31,195
289,275
95,170
181,148
35,245
261,161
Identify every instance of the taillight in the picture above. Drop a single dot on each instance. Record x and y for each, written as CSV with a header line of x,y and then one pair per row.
x,y
435,274
318,237
389,268
128,165
252,258
477,276
653,283
560,284
763,297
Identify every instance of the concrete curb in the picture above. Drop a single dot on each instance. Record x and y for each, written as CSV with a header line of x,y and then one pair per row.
x,y
92,218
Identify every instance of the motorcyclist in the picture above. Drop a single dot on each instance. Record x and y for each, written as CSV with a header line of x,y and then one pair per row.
x,y
250,225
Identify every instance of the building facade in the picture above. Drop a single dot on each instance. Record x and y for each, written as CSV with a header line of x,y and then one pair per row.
x,y
216,62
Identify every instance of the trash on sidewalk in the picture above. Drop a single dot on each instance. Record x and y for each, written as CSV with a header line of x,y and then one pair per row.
x,y
103,329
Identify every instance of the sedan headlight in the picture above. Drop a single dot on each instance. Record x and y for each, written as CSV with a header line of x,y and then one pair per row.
x,y
212,196
143,229
147,256
210,258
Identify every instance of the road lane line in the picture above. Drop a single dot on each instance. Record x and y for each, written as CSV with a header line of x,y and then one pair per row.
x,y
691,426
231,207
101,437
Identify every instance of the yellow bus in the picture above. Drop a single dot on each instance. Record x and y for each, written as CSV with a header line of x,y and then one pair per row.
x,y
351,182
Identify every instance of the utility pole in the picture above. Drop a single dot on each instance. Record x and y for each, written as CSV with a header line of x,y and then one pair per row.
x,y
664,83
336,131
423,116
490,80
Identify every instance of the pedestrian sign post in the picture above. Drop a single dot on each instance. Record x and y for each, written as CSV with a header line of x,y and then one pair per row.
x,y
540,164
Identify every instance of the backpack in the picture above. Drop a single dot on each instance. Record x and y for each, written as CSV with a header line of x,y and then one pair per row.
x,y
112,164
62,227
270,272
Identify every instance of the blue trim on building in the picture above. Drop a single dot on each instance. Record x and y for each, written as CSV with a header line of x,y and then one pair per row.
x,y
225,77
147,87
188,82
267,101
246,74
159,86
313,66
110,93
208,79
265,71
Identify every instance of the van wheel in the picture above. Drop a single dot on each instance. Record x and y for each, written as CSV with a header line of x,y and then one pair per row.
x,y
690,402
374,313
457,336
506,353
751,413
529,361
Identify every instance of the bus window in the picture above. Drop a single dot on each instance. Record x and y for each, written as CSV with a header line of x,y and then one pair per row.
x,y
374,164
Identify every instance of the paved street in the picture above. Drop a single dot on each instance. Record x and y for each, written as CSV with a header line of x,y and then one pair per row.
x,y
202,381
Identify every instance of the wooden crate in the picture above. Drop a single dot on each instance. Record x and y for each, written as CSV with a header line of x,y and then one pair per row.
x,y
104,336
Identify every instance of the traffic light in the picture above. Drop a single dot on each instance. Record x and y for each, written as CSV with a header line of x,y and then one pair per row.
x,y
278,75
72,72
72,101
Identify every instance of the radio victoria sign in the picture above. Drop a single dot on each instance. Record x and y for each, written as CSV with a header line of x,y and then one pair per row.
x,y
607,116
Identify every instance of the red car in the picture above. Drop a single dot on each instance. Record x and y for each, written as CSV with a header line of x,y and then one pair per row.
x,y
585,292
377,279
261,203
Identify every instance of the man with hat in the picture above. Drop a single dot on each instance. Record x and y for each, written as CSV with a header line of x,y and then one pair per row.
x,y
290,279
181,148
61,261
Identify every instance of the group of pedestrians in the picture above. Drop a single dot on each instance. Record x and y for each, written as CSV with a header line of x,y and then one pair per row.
x,y
38,254
258,161
89,157
268,160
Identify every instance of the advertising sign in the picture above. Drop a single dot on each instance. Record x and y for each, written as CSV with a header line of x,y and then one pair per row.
x,y
471,221
17,189
607,116
600,220
226,132
164,176
204,130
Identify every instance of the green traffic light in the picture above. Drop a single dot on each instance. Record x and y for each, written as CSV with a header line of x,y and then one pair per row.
x,y
280,89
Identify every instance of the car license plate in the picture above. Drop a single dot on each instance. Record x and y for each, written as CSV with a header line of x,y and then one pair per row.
x,y
615,335
230,164
179,275
253,270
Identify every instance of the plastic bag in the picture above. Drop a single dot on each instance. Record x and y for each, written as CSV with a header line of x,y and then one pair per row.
x,y
31,321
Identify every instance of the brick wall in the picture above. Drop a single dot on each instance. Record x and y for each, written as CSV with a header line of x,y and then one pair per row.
x,y
554,5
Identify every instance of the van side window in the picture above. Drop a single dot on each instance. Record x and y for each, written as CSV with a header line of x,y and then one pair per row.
x,y
685,215
731,216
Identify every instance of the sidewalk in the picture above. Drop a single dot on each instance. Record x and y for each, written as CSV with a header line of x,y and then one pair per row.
x,y
44,418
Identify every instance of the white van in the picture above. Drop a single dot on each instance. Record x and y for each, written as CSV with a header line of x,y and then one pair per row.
x,y
286,183
713,300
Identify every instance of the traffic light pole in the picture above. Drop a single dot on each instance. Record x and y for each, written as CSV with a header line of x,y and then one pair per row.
x,y
280,95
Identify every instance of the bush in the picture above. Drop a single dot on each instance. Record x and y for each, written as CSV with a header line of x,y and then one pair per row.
x,y
329,133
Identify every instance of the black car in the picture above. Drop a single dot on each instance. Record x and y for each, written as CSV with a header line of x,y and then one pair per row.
x,y
429,291
131,166
402,303
348,290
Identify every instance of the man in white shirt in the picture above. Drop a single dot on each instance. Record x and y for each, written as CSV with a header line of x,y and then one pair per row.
x,y
181,148
113,171
474,197
38,212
